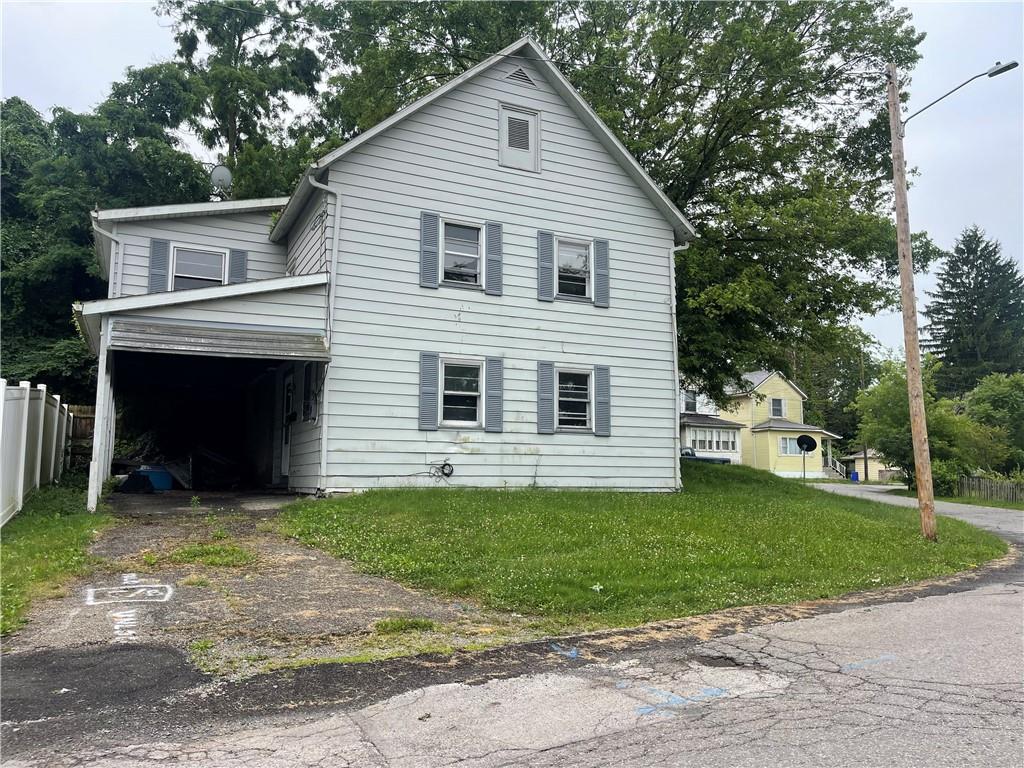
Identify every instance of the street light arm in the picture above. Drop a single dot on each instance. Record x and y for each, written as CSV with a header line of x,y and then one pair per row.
x,y
904,122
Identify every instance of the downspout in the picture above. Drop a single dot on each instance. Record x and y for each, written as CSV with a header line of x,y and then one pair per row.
x,y
678,472
332,288
112,272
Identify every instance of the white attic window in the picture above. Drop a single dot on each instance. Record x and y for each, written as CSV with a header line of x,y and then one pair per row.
x,y
519,75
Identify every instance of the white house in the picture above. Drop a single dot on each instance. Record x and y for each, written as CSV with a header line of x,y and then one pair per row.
x,y
480,286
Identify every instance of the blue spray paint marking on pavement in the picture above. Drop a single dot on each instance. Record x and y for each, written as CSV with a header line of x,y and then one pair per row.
x,y
569,653
868,662
670,701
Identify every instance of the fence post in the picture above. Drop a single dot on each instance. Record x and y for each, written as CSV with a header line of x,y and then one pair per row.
x,y
53,442
39,437
23,442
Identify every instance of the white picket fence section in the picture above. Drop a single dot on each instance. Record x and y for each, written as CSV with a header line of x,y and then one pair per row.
x,y
36,430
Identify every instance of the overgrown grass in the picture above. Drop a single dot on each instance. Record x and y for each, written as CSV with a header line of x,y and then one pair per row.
x,y
401,624
966,500
735,536
44,545
213,555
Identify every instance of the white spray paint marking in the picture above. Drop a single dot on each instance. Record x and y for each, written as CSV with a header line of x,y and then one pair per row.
x,y
133,590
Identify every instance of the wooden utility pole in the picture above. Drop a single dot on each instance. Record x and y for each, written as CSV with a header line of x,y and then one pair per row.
x,y
915,389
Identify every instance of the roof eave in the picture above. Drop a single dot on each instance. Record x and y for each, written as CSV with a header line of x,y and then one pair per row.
x,y
186,210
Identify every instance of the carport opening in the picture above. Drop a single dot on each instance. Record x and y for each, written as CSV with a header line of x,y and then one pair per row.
x,y
215,423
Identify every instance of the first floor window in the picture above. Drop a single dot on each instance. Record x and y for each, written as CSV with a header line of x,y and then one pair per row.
x,y
573,400
198,268
573,277
461,254
788,446
460,395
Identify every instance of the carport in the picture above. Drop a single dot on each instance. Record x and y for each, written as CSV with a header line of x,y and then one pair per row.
x,y
208,371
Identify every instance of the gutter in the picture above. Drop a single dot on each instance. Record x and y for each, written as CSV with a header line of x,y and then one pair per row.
x,y
332,289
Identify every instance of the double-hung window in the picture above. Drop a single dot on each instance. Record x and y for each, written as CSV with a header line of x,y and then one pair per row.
x,y
574,405
197,267
788,446
573,275
462,260
461,393
778,408
689,401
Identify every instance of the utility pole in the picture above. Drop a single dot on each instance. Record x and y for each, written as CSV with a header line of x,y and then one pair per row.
x,y
915,389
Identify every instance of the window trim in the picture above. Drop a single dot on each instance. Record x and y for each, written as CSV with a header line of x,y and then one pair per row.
x,y
782,408
504,160
172,267
591,399
481,255
784,441
589,242
481,364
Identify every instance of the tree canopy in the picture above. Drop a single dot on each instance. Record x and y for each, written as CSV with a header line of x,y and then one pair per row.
x,y
976,314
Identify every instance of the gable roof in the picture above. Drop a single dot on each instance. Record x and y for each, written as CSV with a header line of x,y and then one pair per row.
x,y
526,49
755,379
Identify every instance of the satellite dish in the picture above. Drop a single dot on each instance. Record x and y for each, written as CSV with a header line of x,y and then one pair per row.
x,y
806,443
220,177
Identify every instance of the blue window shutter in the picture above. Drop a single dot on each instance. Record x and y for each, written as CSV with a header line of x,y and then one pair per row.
x,y
430,365
545,266
238,266
545,398
602,400
601,294
494,394
492,267
159,264
430,235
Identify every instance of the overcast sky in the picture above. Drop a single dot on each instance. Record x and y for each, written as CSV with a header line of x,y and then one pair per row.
x,y
969,150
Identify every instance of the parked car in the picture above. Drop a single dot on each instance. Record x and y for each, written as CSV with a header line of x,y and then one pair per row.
x,y
689,453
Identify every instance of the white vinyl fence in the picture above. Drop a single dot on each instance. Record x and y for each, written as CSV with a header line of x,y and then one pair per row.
x,y
36,429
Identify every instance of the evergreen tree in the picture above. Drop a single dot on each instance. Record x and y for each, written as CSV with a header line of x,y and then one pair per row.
x,y
976,316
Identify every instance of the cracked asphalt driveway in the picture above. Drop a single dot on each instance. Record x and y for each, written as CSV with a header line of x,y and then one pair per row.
x,y
930,681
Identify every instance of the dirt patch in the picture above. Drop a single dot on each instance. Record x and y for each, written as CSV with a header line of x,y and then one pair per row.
x,y
213,578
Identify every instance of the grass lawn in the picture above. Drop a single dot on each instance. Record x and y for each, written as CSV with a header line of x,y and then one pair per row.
x,y
43,545
735,536
966,500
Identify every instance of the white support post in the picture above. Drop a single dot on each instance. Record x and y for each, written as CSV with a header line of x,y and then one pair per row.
x,y
23,442
99,449
52,448
39,437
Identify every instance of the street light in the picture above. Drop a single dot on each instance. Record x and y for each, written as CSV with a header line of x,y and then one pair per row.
x,y
915,389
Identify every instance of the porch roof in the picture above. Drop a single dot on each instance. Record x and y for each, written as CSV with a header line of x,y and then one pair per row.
x,y
706,420
785,425
281,318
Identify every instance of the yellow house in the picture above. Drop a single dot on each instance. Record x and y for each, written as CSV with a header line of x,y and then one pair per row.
x,y
877,468
763,420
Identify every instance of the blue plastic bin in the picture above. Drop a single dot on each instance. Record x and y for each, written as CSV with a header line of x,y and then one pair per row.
x,y
854,476
158,476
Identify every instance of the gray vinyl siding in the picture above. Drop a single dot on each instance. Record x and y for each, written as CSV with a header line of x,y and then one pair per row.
x,y
444,159
243,231
295,309
304,463
309,240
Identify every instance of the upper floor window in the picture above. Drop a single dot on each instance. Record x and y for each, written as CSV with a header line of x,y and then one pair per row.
x,y
689,401
778,408
573,277
197,268
462,254
519,138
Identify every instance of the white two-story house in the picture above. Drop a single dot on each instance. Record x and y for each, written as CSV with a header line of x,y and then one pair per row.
x,y
478,291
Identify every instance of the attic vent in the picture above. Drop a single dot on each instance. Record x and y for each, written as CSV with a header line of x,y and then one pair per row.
x,y
519,133
520,76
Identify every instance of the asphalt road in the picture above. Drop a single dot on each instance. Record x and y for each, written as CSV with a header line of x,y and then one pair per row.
x,y
932,681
